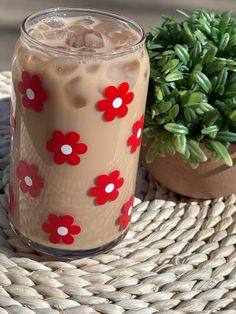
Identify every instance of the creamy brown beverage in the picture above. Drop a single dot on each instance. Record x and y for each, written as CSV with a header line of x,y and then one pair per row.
x,y
80,81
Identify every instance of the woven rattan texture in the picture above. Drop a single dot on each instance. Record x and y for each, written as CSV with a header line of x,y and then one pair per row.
x,y
178,257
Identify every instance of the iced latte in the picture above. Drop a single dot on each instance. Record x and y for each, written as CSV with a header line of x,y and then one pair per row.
x,y
80,81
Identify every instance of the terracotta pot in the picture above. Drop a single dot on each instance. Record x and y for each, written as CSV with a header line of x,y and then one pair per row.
x,y
209,180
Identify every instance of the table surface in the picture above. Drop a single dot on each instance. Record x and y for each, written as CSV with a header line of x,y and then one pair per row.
x,y
178,256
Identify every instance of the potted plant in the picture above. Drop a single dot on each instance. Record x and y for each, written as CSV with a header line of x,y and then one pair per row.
x,y
190,122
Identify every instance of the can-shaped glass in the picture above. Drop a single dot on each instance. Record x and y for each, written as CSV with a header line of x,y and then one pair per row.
x,y
80,80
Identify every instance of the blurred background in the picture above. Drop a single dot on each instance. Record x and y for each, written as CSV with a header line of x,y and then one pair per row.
x,y
146,12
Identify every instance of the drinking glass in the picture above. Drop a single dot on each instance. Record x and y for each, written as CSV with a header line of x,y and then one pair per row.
x,y
77,116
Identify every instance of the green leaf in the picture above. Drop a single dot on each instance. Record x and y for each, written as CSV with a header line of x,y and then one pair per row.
x,y
220,149
207,15
214,67
180,143
182,54
209,55
214,82
164,106
219,90
170,65
153,73
174,76
200,36
223,108
168,53
193,162
187,30
152,152
183,13
186,154
210,130
169,145
231,87
193,98
223,42
190,115
203,81
232,42
203,107
224,22
165,90
212,135
233,115
196,151
151,131
196,52
215,34
158,93
215,157
222,78
174,112
145,140
205,26
232,78
176,128
210,117
226,136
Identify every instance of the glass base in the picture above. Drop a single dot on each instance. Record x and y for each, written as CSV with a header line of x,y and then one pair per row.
x,y
67,253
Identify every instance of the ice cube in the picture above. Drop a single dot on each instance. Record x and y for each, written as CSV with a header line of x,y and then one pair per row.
x,y
55,22
124,72
76,36
93,39
107,27
43,27
77,29
75,93
36,34
124,39
92,68
55,34
62,67
37,59
23,55
87,21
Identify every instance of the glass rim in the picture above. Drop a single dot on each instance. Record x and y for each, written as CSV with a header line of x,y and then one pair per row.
x,y
78,53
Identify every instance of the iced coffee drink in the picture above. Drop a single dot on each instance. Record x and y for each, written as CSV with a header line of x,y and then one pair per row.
x,y
80,81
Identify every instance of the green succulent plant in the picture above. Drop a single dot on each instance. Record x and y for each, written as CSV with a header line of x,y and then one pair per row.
x,y
191,105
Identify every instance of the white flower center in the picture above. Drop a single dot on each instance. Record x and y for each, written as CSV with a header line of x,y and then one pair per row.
x,y
117,102
28,181
109,188
130,211
66,149
62,231
30,93
139,133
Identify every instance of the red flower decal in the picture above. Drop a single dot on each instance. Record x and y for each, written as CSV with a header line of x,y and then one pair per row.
x,y
135,139
115,104
33,94
66,147
107,187
30,182
11,199
61,229
126,213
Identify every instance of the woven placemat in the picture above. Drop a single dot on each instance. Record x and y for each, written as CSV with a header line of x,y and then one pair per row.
x,y
178,257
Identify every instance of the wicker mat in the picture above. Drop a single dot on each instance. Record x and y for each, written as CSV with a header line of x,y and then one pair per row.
x,y
178,257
